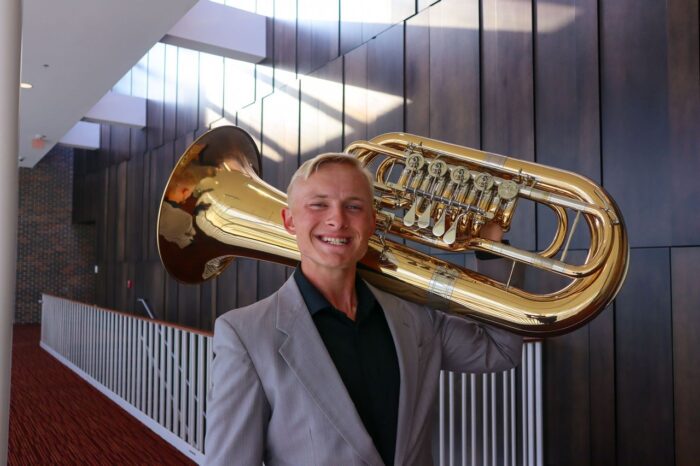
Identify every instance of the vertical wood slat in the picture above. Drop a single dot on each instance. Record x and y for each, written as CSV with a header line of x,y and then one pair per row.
x,y
567,96
685,296
507,94
644,371
634,117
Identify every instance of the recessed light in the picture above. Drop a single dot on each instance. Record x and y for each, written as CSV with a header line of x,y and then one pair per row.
x,y
25,85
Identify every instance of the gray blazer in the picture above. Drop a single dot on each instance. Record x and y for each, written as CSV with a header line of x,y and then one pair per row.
x,y
278,398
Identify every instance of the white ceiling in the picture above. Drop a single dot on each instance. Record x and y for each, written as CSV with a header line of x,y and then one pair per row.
x,y
74,51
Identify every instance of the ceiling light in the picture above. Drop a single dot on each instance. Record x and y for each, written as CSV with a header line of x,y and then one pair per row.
x,y
25,85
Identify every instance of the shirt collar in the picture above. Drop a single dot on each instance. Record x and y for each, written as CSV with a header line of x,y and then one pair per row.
x,y
316,302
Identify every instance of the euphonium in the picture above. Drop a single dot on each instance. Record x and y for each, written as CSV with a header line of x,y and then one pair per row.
x,y
216,207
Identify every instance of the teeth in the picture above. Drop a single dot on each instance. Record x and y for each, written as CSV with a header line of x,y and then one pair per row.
x,y
335,241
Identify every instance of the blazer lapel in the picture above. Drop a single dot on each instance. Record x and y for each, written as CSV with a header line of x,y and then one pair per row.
x,y
307,357
407,352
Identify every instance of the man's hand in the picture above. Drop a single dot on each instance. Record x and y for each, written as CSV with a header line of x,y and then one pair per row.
x,y
492,231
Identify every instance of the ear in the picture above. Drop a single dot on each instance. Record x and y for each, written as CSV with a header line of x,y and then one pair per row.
x,y
288,220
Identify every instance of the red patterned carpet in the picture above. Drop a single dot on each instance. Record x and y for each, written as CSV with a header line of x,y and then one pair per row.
x,y
58,418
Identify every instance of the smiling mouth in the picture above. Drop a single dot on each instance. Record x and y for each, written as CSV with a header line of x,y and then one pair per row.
x,y
334,241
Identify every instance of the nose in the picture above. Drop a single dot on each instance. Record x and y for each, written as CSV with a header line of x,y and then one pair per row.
x,y
337,217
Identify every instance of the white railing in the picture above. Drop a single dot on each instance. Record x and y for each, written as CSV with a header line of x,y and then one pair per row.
x,y
493,419
159,373
155,371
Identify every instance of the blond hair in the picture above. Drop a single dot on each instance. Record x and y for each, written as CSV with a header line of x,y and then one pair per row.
x,y
313,165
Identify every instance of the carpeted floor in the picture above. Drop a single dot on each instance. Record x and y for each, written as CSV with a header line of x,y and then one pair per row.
x,y
58,418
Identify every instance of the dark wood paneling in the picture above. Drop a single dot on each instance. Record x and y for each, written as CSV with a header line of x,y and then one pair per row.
x,y
154,287
156,96
355,92
285,43
160,167
111,215
170,86
321,112
135,203
207,305
120,143
317,33
227,289
247,282
417,74
507,95
567,391
454,82
385,82
211,89
139,88
567,96
686,352
120,214
634,112
187,91
188,305
644,365
602,389
684,119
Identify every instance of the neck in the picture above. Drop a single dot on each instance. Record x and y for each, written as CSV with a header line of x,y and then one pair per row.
x,y
338,287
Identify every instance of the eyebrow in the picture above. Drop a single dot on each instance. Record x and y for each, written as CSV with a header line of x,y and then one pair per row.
x,y
325,196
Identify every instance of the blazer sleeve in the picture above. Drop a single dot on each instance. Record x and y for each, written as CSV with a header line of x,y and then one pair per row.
x,y
237,409
468,346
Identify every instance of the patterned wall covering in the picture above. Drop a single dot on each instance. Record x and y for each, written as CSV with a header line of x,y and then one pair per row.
x,y
53,255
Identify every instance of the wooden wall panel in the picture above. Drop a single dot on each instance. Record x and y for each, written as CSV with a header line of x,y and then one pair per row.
x,y
685,295
644,365
188,311
139,88
135,228
634,117
385,82
602,389
211,89
285,44
567,97
317,34
417,74
154,287
120,143
226,289
684,119
355,92
507,94
161,164
156,96
321,111
170,87
120,219
187,91
454,82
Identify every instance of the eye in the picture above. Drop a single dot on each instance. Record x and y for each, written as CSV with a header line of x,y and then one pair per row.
x,y
317,205
354,207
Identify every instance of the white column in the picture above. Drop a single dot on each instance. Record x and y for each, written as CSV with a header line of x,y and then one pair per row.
x,y
10,36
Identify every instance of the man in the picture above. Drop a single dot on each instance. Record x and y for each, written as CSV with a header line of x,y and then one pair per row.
x,y
328,370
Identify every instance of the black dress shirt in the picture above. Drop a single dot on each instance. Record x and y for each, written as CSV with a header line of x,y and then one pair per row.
x,y
364,354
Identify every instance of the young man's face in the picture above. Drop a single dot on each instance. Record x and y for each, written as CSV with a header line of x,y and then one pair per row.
x,y
332,216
